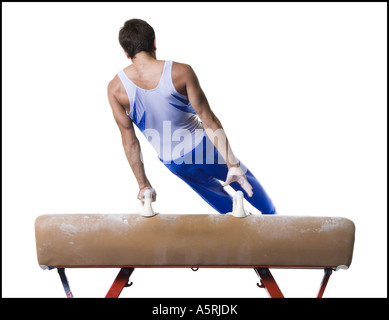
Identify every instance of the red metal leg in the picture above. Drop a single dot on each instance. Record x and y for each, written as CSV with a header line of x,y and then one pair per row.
x,y
327,274
120,282
268,282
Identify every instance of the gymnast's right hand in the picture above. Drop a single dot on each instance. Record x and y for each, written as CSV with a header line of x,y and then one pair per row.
x,y
141,194
237,174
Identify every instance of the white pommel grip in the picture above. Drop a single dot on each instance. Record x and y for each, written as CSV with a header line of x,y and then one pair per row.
x,y
237,207
147,208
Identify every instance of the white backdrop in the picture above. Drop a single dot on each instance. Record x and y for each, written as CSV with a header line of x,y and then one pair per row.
x,y
299,87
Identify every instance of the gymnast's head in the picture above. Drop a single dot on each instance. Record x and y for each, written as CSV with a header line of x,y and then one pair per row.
x,y
136,36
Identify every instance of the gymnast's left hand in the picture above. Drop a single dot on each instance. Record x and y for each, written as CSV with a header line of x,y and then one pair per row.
x,y
235,173
141,194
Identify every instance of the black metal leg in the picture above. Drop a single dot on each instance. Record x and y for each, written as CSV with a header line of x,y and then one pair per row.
x,y
65,283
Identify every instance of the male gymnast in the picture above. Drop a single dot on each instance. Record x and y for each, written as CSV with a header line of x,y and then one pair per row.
x,y
165,101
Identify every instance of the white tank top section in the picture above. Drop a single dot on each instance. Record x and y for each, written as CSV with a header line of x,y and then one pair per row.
x,y
164,116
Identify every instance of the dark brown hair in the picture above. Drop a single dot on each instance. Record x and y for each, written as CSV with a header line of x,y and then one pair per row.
x,y
135,36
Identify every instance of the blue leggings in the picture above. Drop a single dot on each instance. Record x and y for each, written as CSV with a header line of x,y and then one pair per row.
x,y
202,169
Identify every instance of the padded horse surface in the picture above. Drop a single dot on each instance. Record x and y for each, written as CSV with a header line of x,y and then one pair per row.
x,y
112,240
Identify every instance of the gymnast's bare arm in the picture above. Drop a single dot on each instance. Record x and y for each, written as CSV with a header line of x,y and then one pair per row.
x,y
187,83
119,102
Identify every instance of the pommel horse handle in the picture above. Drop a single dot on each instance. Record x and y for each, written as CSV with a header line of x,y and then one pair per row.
x,y
147,208
238,209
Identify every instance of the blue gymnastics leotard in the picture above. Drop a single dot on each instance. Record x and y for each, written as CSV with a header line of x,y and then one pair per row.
x,y
170,124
